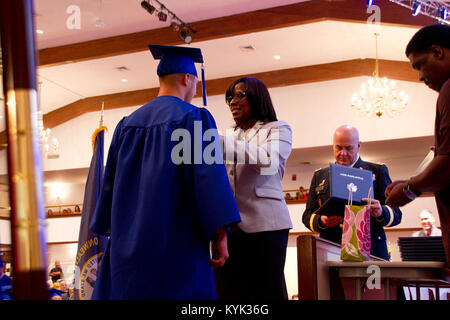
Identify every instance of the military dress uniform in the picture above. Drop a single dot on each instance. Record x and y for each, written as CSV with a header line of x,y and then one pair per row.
x,y
319,192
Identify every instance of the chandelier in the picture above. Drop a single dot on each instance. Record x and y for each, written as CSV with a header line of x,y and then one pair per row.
x,y
50,146
379,95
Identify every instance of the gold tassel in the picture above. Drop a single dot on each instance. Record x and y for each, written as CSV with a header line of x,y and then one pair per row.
x,y
94,135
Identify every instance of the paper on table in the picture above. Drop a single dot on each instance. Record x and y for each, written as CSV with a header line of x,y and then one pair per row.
x,y
425,163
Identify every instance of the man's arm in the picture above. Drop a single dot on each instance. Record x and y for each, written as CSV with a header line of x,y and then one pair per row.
x,y
384,214
219,248
309,218
313,221
434,178
54,273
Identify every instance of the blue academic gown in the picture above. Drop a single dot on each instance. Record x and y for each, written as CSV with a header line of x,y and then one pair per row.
x,y
160,216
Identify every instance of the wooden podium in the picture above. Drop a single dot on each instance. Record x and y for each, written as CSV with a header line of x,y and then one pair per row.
x,y
313,254
323,276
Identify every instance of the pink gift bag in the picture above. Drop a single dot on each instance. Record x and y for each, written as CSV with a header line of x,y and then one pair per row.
x,y
355,245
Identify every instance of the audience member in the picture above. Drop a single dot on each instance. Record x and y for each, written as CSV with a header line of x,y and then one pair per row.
x,y
65,295
428,228
56,273
5,284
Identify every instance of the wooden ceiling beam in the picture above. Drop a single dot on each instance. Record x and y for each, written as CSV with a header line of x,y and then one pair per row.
x,y
398,70
244,23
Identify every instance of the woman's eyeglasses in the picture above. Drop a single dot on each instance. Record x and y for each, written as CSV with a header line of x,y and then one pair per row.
x,y
237,97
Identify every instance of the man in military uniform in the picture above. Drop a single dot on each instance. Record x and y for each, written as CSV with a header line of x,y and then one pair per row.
x,y
346,147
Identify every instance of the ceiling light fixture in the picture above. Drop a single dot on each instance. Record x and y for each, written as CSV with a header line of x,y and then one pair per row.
x,y
444,13
50,147
175,26
162,16
436,9
186,36
416,8
147,6
185,32
379,95
39,31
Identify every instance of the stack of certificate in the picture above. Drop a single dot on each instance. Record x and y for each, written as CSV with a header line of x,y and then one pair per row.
x,y
421,248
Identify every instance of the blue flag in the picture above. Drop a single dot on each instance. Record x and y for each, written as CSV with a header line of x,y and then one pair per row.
x,y
90,245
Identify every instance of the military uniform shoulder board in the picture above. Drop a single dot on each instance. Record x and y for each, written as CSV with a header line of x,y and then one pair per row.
x,y
380,163
318,169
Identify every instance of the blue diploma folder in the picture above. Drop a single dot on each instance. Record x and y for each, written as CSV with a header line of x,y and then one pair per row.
x,y
342,180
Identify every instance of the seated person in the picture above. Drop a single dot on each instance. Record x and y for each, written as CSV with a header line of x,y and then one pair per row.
x,y
428,228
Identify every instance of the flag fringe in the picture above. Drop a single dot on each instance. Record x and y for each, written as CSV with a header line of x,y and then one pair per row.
x,y
94,135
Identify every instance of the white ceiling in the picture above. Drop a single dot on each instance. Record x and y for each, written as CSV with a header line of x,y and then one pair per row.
x,y
127,16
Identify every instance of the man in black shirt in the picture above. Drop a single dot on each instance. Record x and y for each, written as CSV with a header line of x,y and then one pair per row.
x,y
56,273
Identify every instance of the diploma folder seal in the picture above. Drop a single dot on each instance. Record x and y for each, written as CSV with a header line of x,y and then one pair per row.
x,y
344,180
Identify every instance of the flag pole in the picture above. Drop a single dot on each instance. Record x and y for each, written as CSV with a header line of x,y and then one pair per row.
x,y
26,189
91,246
102,114
101,126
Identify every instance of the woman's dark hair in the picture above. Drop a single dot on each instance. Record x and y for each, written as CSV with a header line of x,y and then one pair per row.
x,y
435,34
258,97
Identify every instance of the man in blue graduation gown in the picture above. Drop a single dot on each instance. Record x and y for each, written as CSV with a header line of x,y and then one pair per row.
x,y
160,204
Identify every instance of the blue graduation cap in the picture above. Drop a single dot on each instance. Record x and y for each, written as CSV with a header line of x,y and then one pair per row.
x,y
178,60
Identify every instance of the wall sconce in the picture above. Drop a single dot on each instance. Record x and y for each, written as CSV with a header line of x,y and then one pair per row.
x,y
59,191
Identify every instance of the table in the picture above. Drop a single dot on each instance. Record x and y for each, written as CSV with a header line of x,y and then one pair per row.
x,y
388,271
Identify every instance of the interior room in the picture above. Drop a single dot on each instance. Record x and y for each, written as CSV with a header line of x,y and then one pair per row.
x,y
312,55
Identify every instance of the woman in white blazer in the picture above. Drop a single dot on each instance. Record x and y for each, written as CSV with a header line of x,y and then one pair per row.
x,y
255,158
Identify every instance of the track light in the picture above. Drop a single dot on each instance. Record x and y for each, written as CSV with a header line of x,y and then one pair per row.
x,y
147,6
369,2
416,8
437,9
162,16
177,25
187,38
444,13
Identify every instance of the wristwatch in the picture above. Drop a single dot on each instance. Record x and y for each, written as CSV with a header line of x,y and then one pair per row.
x,y
409,193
